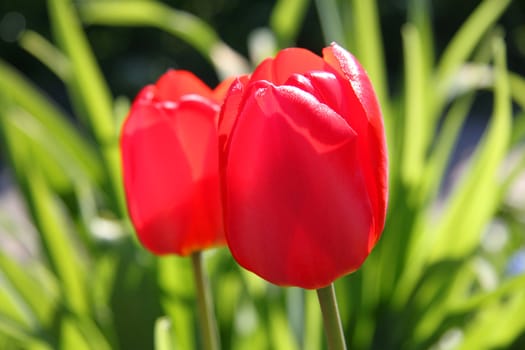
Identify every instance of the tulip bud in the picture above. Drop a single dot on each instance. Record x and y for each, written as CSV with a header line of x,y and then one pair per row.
x,y
170,165
304,168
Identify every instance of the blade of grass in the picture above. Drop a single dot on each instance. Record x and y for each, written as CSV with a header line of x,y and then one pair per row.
x,y
281,335
71,337
52,223
462,45
47,53
312,336
286,19
419,14
88,81
89,90
444,145
416,134
175,280
331,23
28,340
18,90
517,87
483,332
29,295
475,198
163,335
60,168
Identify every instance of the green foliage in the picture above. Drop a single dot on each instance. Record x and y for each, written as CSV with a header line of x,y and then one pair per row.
x,y
429,282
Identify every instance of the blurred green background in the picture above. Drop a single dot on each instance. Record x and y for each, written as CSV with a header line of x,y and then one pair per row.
x,y
448,271
133,57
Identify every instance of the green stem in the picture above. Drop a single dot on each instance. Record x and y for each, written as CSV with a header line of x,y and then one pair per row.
x,y
332,321
207,322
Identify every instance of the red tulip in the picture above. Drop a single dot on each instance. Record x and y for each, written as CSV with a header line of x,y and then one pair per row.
x,y
170,164
304,165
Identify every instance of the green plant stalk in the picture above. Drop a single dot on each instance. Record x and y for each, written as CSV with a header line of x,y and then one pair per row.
x,y
207,321
332,321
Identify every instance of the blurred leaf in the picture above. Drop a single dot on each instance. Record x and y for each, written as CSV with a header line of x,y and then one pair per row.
x,y
34,298
88,90
53,225
417,134
44,51
71,337
312,335
517,87
20,335
463,43
331,25
286,19
80,154
176,281
437,298
507,287
420,15
475,197
434,171
87,82
181,24
60,169
163,335
281,335
483,332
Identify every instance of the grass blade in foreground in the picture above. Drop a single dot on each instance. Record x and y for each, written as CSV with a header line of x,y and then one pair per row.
x,y
89,91
475,197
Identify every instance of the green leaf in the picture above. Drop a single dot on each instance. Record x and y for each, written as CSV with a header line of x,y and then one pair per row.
x,y
53,225
444,145
331,24
61,170
176,281
286,19
483,332
33,295
463,43
163,335
312,335
16,89
475,198
70,336
87,82
46,53
517,88
23,338
281,335
88,89
416,132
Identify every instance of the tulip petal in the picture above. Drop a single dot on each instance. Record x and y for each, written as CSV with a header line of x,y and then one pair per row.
x,y
374,156
287,62
176,83
296,214
220,92
169,154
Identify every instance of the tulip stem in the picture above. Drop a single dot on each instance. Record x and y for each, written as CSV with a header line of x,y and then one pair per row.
x,y
332,321
207,321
